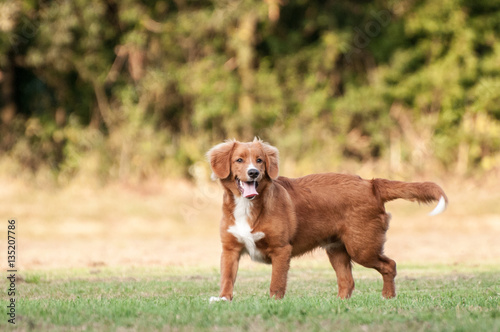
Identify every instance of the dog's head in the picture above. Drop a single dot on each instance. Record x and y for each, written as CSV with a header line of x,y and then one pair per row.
x,y
244,168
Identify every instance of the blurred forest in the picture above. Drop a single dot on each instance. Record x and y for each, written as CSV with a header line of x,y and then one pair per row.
x,y
114,89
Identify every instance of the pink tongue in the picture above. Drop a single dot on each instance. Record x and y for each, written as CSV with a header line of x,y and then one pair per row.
x,y
249,189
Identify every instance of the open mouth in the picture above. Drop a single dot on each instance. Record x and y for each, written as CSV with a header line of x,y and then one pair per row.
x,y
247,189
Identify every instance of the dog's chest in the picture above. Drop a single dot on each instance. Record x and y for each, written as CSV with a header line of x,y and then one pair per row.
x,y
242,231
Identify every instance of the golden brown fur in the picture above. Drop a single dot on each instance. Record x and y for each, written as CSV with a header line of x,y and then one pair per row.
x,y
344,214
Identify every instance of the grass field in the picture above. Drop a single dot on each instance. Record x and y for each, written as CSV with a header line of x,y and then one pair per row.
x,y
435,298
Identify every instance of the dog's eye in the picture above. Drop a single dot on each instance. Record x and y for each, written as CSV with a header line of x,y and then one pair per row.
x,y
259,160
239,160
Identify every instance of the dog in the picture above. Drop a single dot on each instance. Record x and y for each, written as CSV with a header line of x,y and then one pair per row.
x,y
273,218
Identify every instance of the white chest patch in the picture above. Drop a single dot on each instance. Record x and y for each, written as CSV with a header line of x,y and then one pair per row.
x,y
242,231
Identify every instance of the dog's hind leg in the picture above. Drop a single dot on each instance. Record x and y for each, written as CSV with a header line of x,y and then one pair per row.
x,y
366,247
387,268
341,263
383,264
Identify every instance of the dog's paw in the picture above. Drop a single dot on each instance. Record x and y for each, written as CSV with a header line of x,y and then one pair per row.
x,y
214,299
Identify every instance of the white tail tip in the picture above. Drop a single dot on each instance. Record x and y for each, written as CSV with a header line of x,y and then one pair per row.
x,y
440,207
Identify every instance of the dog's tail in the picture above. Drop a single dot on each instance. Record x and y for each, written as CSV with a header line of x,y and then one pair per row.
x,y
423,192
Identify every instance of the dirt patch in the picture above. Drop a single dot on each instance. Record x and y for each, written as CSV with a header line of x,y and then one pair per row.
x,y
176,224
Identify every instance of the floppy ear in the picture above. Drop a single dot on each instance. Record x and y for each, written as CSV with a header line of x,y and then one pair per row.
x,y
220,159
272,160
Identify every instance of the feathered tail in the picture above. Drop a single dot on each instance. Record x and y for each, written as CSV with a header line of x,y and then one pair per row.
x,y
424,192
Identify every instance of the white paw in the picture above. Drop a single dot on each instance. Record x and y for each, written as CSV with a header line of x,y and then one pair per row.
x,y
214,299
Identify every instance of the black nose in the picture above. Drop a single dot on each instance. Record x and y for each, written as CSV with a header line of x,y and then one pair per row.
x,y
253,173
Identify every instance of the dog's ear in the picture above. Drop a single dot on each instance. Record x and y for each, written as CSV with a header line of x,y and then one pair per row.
x,y
272,160
220,159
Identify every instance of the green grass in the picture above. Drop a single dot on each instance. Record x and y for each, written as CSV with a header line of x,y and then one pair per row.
x,y
436,298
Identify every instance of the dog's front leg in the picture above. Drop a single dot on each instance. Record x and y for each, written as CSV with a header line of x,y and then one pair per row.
x,y
280,258
229,268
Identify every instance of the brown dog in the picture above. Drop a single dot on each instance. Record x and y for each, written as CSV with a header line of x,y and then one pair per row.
x,y
275,218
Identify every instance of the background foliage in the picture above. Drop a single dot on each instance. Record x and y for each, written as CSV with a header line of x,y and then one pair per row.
x,y
137,89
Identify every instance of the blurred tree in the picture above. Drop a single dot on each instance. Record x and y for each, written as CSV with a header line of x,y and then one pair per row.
x,y
123,89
